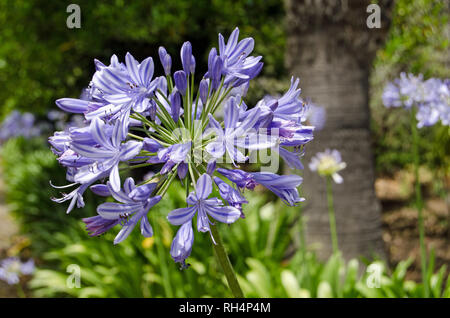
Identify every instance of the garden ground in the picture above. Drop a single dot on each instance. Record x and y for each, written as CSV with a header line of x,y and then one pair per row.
x,y
400,232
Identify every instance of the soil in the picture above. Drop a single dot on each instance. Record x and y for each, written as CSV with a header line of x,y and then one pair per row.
x,y
400,223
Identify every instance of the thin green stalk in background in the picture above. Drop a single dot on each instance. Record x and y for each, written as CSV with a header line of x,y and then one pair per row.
x,y
419,202
20,291
302,229
224,261
331,215
272,231
303,250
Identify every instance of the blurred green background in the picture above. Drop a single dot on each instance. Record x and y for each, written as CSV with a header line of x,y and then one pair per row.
x,y
41,60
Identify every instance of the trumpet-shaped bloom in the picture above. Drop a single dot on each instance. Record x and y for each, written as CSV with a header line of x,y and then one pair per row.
x,y
135,203
230,194
182,244
107,153
129,85
199,203
175,154
285,187
237,134
237,66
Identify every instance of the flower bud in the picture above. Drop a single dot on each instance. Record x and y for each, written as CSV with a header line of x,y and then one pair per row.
x,y
186,57
203,91
180,81
175,105
165,59
211,167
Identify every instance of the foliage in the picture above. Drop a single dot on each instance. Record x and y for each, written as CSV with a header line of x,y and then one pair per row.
x,y
336,278
56,61
28,166
141,267
141,270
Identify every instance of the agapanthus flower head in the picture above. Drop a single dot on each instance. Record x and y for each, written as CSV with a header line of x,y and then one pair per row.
x,y
430,97
136,119
328,164
12,268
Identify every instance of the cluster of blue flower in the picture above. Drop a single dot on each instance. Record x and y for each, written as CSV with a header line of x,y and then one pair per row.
x,y
431,97
134,119
17,124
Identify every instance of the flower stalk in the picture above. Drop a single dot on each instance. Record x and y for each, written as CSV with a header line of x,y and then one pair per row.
x,y
224,261
419,202
331,216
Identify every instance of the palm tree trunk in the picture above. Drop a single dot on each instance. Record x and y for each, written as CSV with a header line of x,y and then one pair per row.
x,y
330,48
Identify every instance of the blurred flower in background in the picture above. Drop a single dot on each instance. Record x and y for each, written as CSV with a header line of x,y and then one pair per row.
x,y
328,164
316,115
431,97
18,124
11,269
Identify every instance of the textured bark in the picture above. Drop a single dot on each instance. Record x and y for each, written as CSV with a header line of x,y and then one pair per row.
x,y
331,49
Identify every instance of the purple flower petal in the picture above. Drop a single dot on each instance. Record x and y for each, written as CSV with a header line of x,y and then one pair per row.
x,y
101,190
146,228
73,105
114,178
181,215
224,214
182,243
204,187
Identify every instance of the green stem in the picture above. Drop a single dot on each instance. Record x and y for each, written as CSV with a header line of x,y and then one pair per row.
x,y
135,136
331,216
160,250
20,291
303,250
419,202
301,228
224,262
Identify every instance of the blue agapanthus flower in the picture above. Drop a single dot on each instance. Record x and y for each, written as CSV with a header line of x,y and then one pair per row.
x,y
18,124
136,119
431,98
